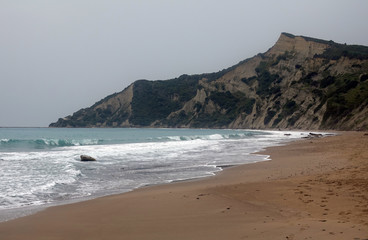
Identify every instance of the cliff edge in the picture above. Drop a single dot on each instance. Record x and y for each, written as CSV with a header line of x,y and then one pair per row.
x,y
299,83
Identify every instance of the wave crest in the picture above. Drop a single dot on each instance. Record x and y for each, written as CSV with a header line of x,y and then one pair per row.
x,y
45,143
205,137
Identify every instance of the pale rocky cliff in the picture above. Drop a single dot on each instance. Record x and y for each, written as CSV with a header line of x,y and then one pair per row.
x,y
299,83
304,47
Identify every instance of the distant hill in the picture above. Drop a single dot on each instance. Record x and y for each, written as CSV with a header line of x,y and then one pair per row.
x,y
299,83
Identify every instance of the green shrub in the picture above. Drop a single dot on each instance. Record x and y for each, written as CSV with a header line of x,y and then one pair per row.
x,y
336,51
364,77
265,79
269,116
327,81
152,100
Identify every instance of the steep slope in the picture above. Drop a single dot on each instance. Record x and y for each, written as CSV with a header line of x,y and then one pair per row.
x,y
301,83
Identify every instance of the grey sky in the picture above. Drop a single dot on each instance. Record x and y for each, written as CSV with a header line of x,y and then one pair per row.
x,y
57,56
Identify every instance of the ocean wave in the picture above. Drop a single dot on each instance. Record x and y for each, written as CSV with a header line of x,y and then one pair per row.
x,y
45,143
205,137
39,143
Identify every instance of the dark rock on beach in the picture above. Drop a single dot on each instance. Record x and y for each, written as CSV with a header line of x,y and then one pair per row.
x,y
315,135
86,158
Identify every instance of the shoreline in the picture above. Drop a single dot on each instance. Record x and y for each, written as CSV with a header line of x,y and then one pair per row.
x,y
310,188
22,211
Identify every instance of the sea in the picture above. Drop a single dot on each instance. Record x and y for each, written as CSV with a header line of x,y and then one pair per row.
x,y
41,167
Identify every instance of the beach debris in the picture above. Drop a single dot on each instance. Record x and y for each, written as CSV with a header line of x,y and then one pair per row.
x,y
317,135
86,158
314,135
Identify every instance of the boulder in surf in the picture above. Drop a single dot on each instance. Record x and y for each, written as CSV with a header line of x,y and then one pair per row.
x,y
86,158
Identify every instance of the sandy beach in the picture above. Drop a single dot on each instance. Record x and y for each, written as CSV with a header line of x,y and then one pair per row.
x,y
311,189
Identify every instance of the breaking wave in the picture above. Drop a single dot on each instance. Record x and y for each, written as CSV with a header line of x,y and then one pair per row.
x,y
49,143
26,144
206,137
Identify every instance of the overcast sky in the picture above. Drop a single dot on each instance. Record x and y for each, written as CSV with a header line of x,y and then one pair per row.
x,y
57,56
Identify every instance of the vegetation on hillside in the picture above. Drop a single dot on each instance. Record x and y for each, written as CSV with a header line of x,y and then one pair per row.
x,y
228,104
283,92
154,100
348,92
337,51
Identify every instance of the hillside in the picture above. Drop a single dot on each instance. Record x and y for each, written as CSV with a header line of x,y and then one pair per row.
x,y
299,83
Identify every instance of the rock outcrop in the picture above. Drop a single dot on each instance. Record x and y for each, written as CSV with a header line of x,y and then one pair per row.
x,y
86,158
299,83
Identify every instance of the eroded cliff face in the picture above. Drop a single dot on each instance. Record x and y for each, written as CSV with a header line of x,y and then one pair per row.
x,y
304,47
299,83
111,111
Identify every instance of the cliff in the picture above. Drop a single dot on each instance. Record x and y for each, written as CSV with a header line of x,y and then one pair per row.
x,y
299,83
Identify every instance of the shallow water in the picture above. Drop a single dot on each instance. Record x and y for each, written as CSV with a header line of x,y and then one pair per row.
x,y
41,166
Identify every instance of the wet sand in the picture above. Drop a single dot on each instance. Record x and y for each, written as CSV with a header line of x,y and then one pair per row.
x,y
311,189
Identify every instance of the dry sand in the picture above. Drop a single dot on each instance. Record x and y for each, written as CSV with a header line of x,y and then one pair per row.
x,y
311,189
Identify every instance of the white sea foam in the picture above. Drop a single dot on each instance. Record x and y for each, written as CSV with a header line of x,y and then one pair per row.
x,y
35,177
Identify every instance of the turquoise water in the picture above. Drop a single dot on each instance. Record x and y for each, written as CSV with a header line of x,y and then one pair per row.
x,y
42,165
28,139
